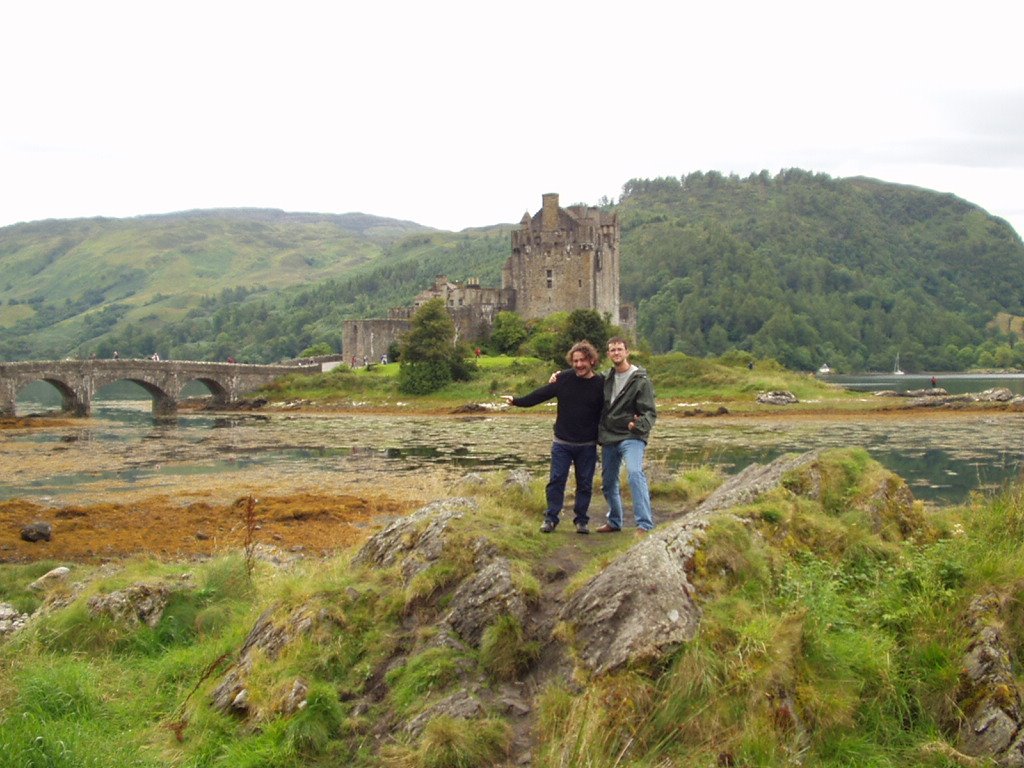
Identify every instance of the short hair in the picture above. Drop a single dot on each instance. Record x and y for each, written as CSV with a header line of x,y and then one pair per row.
x,y
586,348
618,340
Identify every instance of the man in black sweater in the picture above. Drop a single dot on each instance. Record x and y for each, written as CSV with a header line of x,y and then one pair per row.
x,y
580,399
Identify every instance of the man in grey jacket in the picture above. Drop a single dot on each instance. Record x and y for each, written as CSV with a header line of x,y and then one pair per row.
x,y
626,424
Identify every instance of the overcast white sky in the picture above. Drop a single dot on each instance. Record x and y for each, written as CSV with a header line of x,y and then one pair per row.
x,y
461,114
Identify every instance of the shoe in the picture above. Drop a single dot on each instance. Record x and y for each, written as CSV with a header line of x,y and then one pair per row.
x,y
608,529
582,528
641,533
547,527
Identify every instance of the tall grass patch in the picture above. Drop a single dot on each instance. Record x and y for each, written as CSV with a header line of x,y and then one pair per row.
x,y
449,742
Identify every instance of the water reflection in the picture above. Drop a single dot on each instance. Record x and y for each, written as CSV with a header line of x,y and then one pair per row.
x,y
123,448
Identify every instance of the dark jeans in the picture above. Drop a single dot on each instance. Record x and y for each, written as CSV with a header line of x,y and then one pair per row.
x,y
584,459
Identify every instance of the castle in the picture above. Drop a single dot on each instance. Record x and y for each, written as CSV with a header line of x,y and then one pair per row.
x,y
562,259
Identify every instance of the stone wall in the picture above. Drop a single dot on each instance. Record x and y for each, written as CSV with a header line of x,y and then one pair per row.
x,y
371,338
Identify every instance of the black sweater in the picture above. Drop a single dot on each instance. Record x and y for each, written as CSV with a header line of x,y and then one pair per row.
x,y
579,405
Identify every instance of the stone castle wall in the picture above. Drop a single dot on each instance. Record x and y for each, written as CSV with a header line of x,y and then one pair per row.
x,y
562,259
370,338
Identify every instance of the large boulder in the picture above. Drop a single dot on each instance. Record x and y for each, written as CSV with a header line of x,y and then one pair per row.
x,y
50,578
37,531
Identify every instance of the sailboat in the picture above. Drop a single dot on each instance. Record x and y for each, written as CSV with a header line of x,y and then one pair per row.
x,y
896,366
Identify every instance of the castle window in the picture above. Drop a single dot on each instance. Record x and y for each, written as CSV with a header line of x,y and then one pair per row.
x,y
550,278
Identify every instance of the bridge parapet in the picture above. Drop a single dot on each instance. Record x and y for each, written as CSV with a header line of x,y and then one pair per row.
x,y
79,380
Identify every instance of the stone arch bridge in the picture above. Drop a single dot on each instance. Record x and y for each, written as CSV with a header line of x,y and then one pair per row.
x,y
79,380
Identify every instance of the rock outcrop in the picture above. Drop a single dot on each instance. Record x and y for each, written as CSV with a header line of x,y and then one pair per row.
x,y
11,620
644,603
777,397
138,603
414,541
267,639
987,695
481,599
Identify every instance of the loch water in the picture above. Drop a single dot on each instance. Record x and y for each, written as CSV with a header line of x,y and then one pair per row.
x,y
121,447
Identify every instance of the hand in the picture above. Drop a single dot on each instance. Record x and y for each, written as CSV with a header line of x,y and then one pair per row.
x,y
554,378
508,399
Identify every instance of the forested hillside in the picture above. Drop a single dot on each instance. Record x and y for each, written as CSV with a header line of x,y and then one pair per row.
x,y
798,266
808,269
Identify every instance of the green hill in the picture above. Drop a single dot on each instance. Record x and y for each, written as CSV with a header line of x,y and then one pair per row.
x,y
808,269
66,284
798,267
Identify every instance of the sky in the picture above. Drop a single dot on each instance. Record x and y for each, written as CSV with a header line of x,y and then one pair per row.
x,y
462,114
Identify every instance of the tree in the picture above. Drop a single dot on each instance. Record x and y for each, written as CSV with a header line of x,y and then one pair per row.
x,y
586,324
509,332
430,358
320,348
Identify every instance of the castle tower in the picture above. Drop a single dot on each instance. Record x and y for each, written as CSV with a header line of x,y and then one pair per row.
x,y
564,259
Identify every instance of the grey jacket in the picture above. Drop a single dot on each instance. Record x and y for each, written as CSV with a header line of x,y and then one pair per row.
x,y
634,403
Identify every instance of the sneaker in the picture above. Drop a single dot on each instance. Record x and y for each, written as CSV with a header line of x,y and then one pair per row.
x,y
641,532
547,527
608,529
582,528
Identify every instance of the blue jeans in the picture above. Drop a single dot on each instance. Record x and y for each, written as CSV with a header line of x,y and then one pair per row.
x,y
584,458
612,455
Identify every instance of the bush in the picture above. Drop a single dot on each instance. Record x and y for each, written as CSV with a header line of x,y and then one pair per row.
x,y
423,378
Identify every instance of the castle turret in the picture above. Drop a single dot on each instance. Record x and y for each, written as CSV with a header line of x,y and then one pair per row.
x,y
549,220
564,259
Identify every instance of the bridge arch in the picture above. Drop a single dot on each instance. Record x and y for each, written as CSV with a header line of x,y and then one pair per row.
x,y
164,403
79,380
70,401
220,395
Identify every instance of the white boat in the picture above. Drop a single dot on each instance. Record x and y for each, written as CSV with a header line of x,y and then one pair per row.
x,y
896,366
824,369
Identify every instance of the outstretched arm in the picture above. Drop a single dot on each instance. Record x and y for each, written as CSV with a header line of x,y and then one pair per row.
x,y
537,396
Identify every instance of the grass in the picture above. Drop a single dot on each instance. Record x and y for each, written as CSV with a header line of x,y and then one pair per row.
x,y
830,637
695,382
